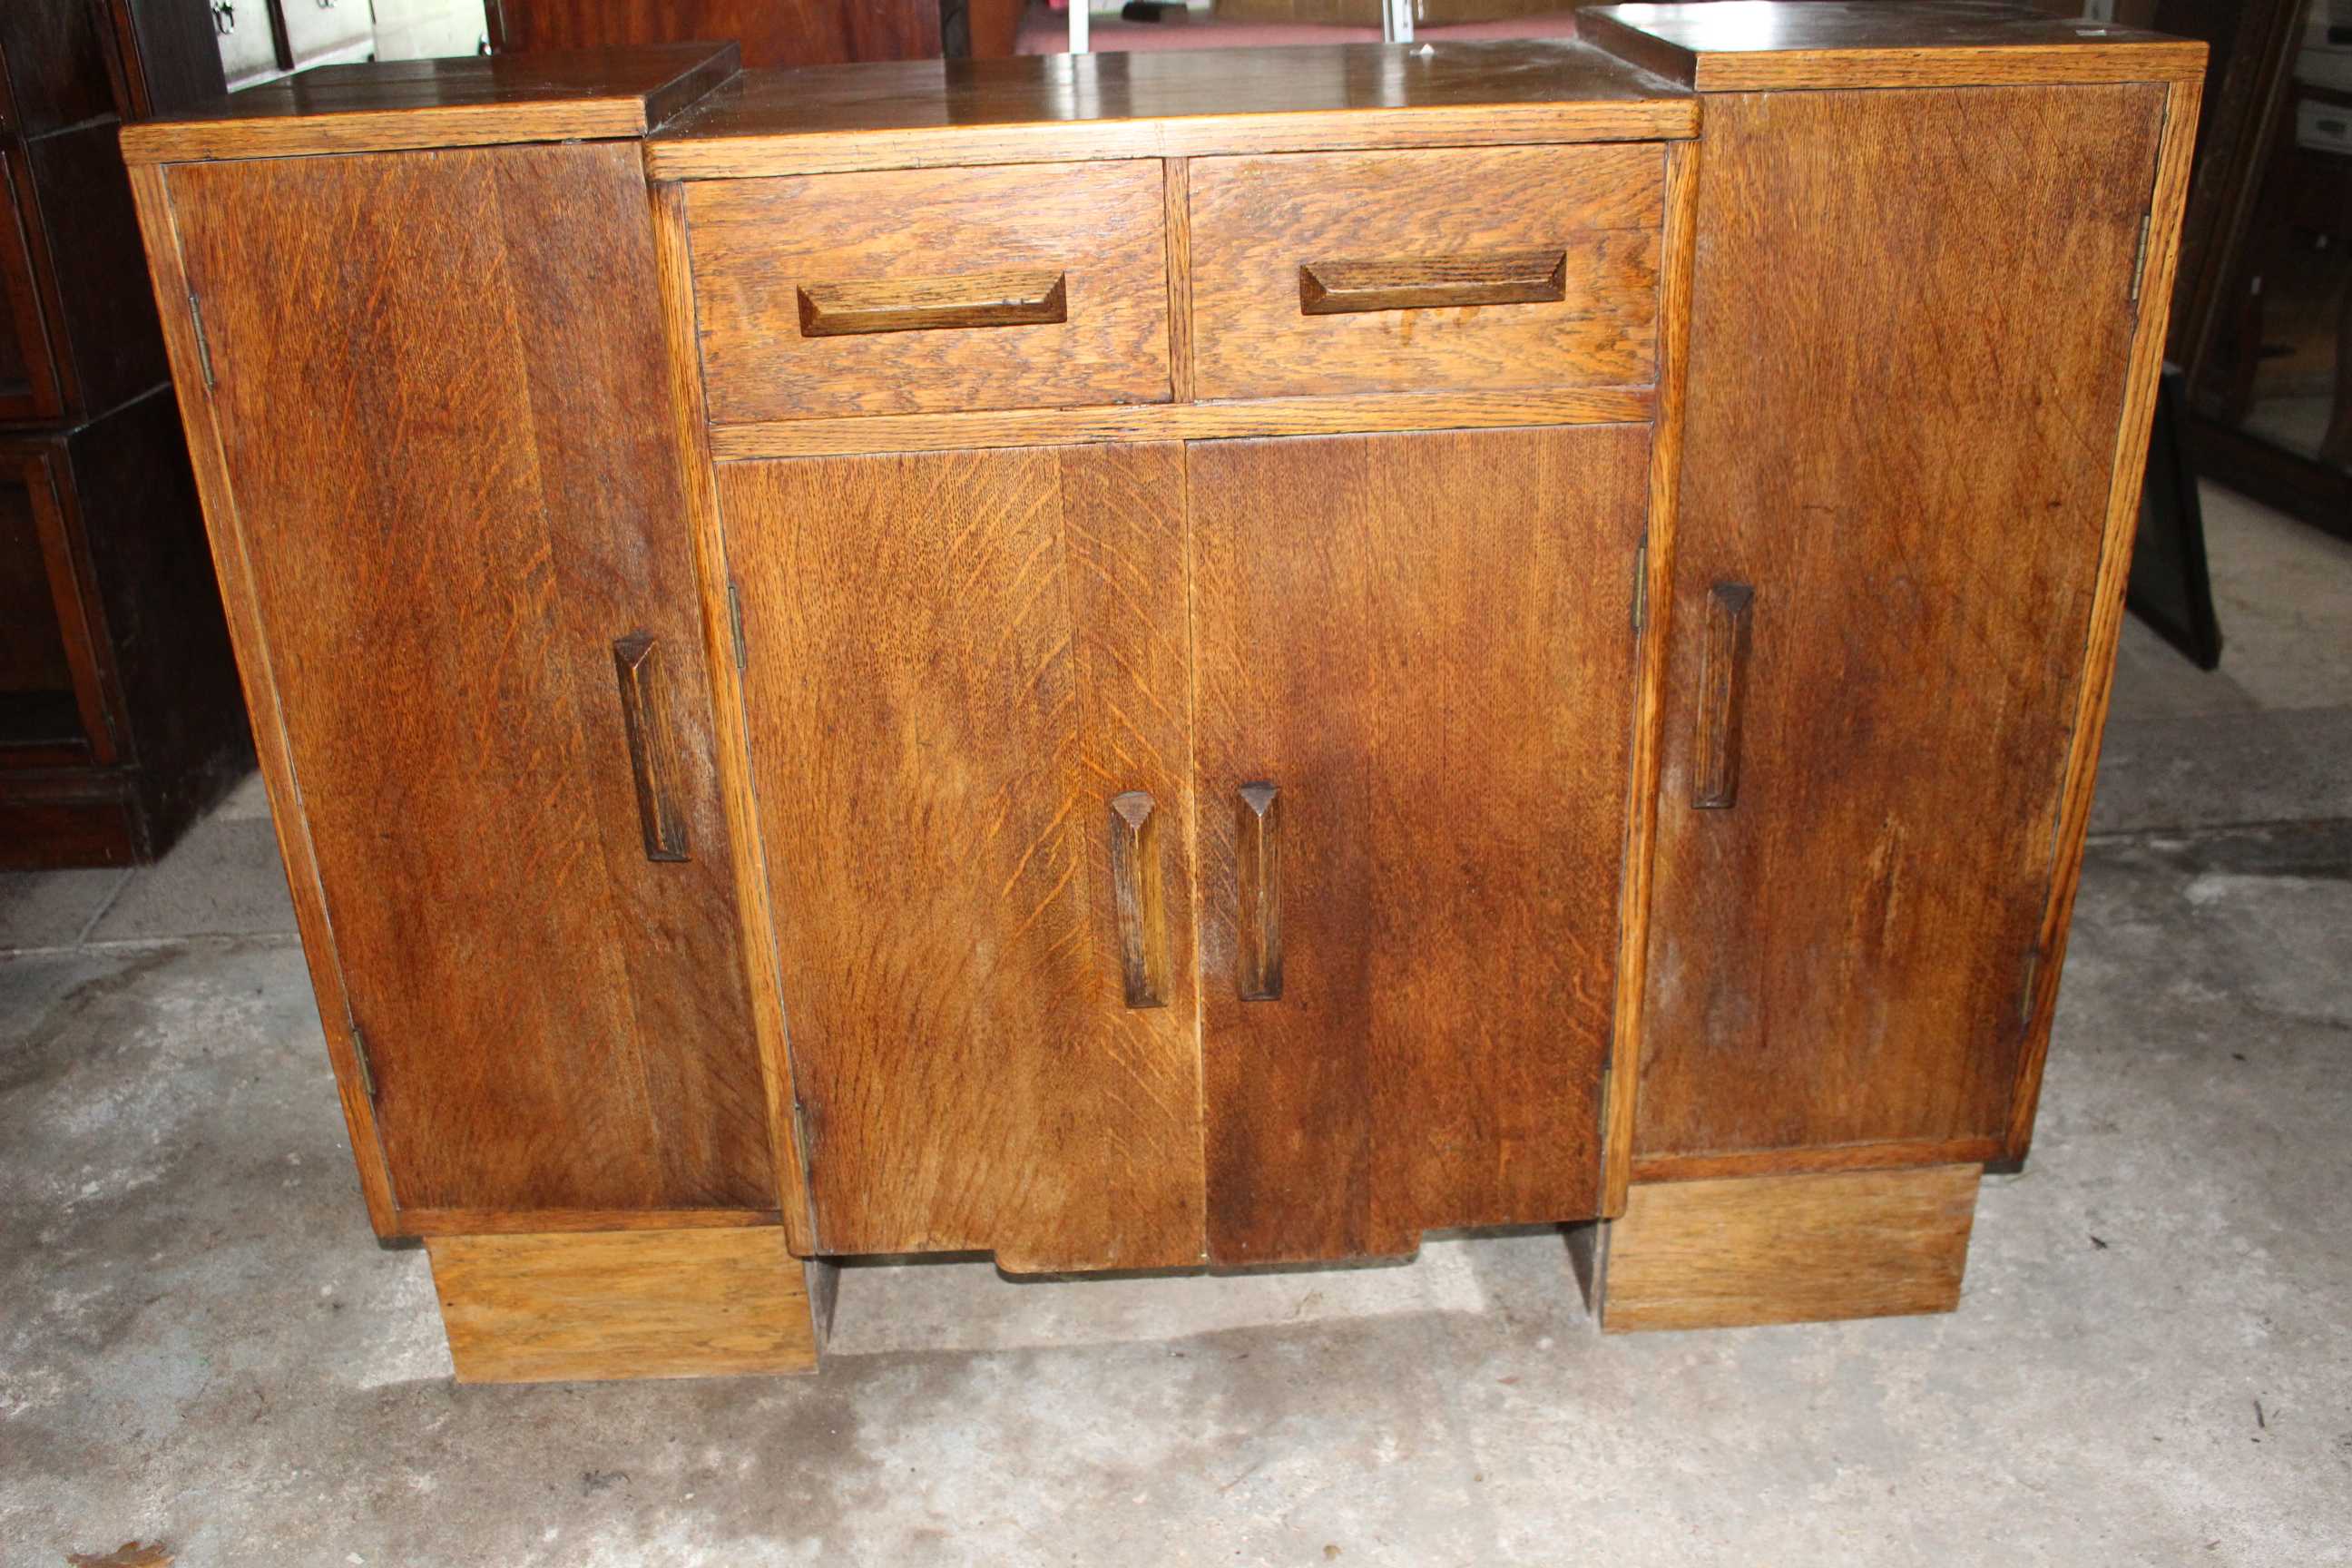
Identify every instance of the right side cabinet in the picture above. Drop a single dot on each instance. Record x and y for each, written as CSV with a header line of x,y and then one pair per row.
x,y
1901,418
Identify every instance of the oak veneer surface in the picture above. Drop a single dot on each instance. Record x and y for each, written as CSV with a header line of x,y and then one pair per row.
x,y
1255,222
759,245
660,1303
1424,643
1789,1250
473,101
452,500
1850,940
1724,45
1156,104
957,662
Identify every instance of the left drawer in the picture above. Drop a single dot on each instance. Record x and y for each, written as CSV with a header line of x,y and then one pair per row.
x,y
928,290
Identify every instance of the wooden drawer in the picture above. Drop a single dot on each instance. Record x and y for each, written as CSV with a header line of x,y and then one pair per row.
x,y
1458,270
931,290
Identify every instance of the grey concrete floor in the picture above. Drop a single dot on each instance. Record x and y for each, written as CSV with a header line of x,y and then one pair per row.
x,y
200,1342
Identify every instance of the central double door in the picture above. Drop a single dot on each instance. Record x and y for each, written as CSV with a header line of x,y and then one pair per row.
x,y
1203,852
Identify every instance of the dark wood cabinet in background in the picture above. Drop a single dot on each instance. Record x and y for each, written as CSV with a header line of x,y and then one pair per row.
x,y
120,716
769,32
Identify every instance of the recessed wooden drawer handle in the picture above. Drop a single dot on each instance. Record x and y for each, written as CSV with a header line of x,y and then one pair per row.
x,y
1510,278
1722,693
1142,909
637,659
929,304
1258,867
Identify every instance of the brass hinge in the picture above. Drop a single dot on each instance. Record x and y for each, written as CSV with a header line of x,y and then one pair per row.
x,y
1641,583
2025,1001
204,347
367,1069
735,621
2140,261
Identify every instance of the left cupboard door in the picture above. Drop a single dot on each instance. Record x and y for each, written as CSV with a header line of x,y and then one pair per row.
x,y
468,601
968,697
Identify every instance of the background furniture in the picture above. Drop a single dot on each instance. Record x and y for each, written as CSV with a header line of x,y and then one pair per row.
x,y
770,32
1148,660
119,711
2265,334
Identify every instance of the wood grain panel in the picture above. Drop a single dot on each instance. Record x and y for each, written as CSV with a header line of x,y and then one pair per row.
x,y
626,1304
1656,617
1840,955
958,662
450,502
1355,414
1788,1249
1258,221
460,103
2129,462
690,424
1424,643
257,675
1742,45
759,244
1169,104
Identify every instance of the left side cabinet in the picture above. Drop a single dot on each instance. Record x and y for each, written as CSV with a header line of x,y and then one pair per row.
x,y
426,393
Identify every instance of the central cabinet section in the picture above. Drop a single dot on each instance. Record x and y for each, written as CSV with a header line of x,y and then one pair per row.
x,y
1189,852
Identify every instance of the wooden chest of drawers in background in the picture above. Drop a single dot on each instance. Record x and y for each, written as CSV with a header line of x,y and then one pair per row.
x,y
120,717
1151,662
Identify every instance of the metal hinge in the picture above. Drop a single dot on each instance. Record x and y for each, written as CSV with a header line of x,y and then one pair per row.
x,y
2025,1000
1641,583
803,1136
2140,261
367,1069
735,622
203,348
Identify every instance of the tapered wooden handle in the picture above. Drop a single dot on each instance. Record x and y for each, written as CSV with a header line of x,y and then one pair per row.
x,y
1142,906
1413,283
930,304
1258,866
638,660
1722,693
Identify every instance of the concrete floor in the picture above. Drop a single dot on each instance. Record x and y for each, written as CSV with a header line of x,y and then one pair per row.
x,y
200,1342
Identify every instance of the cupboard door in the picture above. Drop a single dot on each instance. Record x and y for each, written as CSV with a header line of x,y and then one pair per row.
x,y
969,703
462,530
1895,485
1416,674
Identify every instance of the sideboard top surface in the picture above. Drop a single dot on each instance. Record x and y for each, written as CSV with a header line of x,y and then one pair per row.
x,y
1175,103
559,96
1734,46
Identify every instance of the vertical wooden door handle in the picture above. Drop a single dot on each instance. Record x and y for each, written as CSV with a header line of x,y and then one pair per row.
x,y
1257,868
1142,907
1722,693
638,660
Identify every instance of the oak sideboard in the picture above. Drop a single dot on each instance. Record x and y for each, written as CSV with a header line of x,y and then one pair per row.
x,y
1180,660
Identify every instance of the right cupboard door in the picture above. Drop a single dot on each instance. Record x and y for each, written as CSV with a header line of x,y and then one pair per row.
x,y
1900,434
1414,665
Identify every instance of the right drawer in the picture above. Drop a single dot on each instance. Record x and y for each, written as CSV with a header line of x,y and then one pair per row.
x,y
1464,269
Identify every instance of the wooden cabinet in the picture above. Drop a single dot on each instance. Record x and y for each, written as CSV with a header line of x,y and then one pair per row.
x,y
516,736
118,710
1141,663
1817,922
